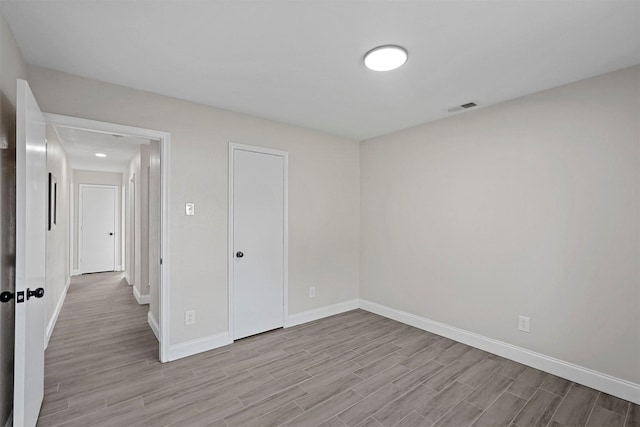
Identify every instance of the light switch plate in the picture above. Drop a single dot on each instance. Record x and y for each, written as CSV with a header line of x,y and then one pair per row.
x,y
190,209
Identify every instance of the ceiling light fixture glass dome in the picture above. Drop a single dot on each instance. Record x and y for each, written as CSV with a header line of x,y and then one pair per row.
x,y
385,58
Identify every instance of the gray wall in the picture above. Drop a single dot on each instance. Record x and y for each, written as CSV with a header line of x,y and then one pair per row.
x,y
323,195
11,68
57,268
530,207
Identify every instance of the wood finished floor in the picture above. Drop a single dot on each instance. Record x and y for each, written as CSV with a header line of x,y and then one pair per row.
x,y
353,369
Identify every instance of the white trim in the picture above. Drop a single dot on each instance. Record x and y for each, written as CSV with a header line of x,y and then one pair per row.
x,y
597,380
72,223
230,244
142,299
56,312
123,221
189,348
118,268
126,277
320,313
81,187
153,324
165,189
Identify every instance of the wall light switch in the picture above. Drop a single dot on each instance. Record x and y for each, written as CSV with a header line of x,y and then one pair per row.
x,y
190,209
524,323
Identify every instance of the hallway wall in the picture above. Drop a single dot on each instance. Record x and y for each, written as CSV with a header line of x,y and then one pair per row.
x,y
58,239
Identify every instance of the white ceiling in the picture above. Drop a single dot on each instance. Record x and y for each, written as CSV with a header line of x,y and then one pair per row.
x,y
300,62
81,147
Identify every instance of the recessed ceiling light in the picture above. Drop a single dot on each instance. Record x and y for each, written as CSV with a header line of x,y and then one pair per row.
x,y
385,58
101,155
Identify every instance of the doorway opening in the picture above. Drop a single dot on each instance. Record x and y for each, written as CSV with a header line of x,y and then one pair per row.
x,y
132,165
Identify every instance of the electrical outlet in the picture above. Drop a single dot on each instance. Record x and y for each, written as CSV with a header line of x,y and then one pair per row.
x,y
312,291
523,323
190,317
190,209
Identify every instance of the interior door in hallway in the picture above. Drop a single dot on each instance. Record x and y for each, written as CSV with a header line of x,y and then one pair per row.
x,y
258,239
31,218
97,228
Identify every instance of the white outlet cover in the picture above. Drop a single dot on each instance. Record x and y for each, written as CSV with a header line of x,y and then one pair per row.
x,y
189,317
190,209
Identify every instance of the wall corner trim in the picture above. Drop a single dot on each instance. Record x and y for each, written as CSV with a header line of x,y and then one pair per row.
x,y
319,313
76,273
153,324
142,299
56,312
189,348
600,381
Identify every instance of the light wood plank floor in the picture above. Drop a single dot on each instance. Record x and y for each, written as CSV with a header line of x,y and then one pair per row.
x,y
353,369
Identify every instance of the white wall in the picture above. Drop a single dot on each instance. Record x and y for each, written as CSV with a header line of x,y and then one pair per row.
x,y
154,229
100,178
144,219
530,207
57,268
138,260
12,67
323,195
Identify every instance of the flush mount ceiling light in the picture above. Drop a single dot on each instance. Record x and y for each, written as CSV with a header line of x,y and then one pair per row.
x,y
385,58
101,155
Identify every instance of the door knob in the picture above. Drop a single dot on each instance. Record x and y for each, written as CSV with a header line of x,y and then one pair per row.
x,y
239,254
38,293
6,296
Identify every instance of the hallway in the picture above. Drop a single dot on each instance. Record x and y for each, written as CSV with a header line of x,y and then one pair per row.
x,y
100,328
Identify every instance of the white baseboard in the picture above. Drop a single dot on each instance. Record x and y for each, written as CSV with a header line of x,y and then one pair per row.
x,y
118,268
153,323
126,277
141,298
190,348
75,272
606,383
320,313
56,312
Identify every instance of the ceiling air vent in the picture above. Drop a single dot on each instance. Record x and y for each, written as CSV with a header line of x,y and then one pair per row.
x,y
462,107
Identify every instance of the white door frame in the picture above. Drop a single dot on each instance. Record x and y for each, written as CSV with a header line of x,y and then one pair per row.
x,y
80,219
165,193
132,229
230,256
